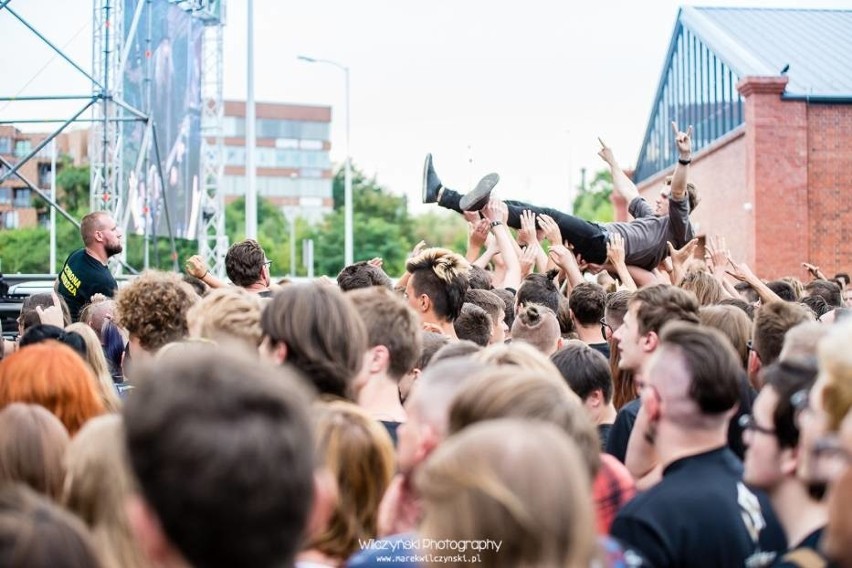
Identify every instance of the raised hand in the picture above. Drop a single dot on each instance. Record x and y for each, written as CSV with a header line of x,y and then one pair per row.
x,y
196,267
377,262
615,249
683,141
51,315
526,235
717,253
550,229
606,153
495,210
478,233
527,259
682,255
418,248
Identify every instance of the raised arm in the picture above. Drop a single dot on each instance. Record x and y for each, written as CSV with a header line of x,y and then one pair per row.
x,y
195,266
683,142
497,213
615,256
620,182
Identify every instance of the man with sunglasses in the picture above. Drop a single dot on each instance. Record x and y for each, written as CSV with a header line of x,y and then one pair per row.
x,y
773,452
646,237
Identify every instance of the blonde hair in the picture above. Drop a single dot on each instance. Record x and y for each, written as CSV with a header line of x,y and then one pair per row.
x,y
97,361
97,482
521,355
473,489
706,288
358,452
835,361
227,313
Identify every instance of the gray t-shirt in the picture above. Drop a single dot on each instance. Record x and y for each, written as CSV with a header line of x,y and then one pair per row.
x,y
645,237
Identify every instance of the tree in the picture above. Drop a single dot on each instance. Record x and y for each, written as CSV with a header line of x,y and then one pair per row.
x,y
73,184
594,203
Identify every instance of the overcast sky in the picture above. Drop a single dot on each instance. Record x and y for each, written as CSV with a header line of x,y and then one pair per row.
x,y
520,88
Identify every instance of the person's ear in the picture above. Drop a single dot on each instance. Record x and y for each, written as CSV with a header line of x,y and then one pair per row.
x,y
650,341
379,359
424,303
429,439
789,460
560,342
595,399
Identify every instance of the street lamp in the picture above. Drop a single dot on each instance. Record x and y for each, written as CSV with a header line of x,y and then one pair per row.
x,y
347,187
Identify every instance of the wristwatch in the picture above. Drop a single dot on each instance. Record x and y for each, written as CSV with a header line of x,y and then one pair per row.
x,y
495,223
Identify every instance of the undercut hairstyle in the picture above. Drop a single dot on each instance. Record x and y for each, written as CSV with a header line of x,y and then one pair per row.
x,y
432,343
242,495
34,531
714,369
509,300
362,275
323,333
480,279
783,290
733,323
817,305
787,378
90,224
588,302
660,304
537,325
616,307
153,308
32,448
441,275
244,262
584,369
539,288
518,393
97,314
827,290
227,315
488,301
390,322
771,323
706,288
473,324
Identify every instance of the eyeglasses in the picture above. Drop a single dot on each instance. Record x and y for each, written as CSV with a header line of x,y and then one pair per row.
x,y
267,262
605,326
747,422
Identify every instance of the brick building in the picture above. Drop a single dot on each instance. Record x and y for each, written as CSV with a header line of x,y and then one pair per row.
x,y
292,156
769,95
20,207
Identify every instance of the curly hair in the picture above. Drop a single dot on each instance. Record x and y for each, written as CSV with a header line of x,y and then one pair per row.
x,y
442,275
244,262
227,313
153,308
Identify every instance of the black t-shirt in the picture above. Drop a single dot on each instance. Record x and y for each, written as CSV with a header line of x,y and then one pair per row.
x,y
603,433
619,434
82,276
392,428
810,542
702,514
602,348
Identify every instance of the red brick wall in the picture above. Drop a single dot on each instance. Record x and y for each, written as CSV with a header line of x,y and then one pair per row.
x,y
830,187
726,207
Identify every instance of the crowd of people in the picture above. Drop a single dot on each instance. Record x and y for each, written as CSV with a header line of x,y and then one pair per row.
x,y
570,394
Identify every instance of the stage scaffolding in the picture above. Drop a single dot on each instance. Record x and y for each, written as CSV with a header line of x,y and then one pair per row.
x,y
106,109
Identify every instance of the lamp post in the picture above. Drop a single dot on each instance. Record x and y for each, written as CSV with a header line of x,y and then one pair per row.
x,y
347,187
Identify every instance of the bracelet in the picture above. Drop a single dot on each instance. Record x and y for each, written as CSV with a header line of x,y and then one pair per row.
x,y
683,162
496,223
206,272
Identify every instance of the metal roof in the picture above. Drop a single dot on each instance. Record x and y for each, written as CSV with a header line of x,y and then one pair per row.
x,y
816,44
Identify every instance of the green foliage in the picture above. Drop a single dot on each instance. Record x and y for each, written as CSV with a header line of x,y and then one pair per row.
x,y
594,203
73,186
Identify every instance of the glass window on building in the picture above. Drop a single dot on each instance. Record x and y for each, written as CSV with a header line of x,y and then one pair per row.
x,y
5,145
5,195
23,197
22,148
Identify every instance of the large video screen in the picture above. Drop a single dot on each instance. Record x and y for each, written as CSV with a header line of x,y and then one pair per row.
x,y
163,79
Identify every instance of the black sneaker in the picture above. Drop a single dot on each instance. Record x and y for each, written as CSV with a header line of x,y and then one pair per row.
x,y
431,183
477,198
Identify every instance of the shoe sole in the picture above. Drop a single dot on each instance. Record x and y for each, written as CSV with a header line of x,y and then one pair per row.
x,y
477,198
425,192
